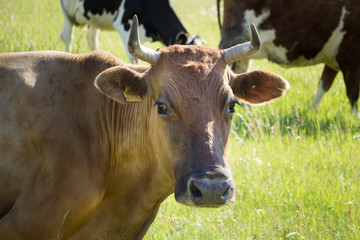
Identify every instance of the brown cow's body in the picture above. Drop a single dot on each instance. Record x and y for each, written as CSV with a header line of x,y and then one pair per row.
x,y
300,33
70,153
59,150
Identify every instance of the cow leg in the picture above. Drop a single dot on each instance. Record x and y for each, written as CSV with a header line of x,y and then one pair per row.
x,y
327,78
352,82
93,38
67,34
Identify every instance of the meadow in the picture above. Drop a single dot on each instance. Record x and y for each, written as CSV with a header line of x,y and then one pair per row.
x,y
296,169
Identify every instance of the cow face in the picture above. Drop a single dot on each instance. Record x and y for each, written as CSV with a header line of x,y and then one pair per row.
x,y
192,96
194,108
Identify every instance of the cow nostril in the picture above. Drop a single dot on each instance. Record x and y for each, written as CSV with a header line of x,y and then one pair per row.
x,y
227,188
194,190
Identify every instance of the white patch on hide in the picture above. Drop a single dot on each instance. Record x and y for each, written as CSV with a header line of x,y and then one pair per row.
x,y
103,21
125,33
331,47
118,26
257,20
106,21
278,53
29,78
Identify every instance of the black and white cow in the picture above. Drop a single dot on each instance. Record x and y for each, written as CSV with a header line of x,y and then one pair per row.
x,y
158,21
301,33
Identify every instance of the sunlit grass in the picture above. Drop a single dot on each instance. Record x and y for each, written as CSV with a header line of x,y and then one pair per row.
x,y
296,169
288,187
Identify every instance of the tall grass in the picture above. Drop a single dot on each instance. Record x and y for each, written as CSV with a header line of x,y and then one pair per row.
x,y
296,169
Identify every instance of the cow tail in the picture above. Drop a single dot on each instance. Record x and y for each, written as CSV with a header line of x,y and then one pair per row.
x,y
218,13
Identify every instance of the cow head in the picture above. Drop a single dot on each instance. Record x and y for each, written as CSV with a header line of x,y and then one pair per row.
x,y
193,95
186,39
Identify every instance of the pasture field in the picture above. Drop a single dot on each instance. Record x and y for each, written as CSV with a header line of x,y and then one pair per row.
x,y
296,169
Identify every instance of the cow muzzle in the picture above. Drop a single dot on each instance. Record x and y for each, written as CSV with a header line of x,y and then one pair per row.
x,y
205,190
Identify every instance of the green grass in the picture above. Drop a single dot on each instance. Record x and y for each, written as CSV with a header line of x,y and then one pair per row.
x,y
296,169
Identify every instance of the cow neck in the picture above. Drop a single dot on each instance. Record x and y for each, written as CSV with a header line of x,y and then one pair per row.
x,y
135,182
127,141
123,130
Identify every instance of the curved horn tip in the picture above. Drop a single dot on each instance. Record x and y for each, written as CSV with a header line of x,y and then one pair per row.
x,y
136,49
243,50
255,37
133,37
135,20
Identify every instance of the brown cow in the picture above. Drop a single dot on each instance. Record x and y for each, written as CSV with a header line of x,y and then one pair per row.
x,y
74,160
300,33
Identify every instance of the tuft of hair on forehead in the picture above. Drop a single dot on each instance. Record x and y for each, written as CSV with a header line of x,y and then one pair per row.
x,y
193,61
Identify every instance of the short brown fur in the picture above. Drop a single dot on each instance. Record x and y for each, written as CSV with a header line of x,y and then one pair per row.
x,y
65,146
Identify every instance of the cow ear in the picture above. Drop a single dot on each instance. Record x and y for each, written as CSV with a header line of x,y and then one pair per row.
x,y
181,38
122,84
258,86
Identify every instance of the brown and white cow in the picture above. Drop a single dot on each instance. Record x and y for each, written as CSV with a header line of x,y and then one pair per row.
x,y
85,162
300,33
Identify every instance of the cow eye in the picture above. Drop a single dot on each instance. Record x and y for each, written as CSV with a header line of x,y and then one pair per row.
x,y
232,106
162,109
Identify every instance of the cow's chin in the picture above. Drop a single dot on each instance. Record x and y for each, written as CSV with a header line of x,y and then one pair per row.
x,y
204,190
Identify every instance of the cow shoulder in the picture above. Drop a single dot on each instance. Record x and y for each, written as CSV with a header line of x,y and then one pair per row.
x,y
258,86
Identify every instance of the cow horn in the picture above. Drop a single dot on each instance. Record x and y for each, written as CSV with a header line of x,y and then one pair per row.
x,y
136,49
243,50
